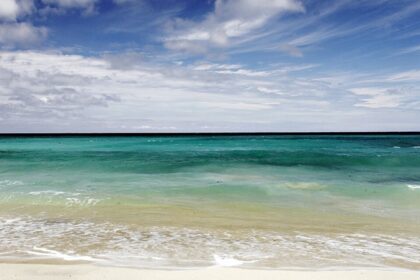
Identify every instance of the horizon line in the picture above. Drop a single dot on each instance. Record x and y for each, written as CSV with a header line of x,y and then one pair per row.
x,y
267,133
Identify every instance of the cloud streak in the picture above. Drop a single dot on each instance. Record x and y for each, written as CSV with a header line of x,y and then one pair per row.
x,y
229,20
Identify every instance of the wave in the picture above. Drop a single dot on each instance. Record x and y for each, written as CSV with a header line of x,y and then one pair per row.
x,y
48,253
71,198
118,244
53,193
226,261
10,183
413,187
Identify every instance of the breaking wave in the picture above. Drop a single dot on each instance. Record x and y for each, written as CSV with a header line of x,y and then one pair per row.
x,y
69,240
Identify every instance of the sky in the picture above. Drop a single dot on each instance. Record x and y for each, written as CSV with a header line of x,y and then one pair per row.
x,y
209,65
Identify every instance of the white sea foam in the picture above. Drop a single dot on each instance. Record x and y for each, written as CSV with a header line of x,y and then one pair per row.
x,y
71,198
10,221
184,247
43,252
84,202
226,261
9,183
413,187
53,193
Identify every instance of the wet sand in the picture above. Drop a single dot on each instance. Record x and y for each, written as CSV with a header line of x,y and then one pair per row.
x,y
90,272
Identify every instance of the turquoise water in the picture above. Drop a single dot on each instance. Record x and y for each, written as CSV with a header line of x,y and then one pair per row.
x,y
263,201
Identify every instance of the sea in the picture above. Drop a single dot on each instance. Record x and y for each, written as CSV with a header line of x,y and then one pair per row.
x,y
182,202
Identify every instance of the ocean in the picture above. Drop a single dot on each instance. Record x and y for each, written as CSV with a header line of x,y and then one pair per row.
x,y
272,202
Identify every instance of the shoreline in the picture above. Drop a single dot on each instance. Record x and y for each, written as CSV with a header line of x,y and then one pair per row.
x,y
92,272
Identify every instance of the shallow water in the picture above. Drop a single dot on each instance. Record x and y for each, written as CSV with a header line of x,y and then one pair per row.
x,y
268,202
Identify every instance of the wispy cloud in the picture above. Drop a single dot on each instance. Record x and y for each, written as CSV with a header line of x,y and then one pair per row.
x,y
409,50
230,19
412,75
388,97
87,5
378,97
319,25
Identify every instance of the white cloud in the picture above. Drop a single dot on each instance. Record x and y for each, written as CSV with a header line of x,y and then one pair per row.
x,y
71,3
231,69
11,10
21,34
380,101
376,98
230,19
96,93
269,90
13,31
60,6
214,66
51,91
413,75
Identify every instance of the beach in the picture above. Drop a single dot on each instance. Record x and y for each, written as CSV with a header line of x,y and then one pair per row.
x,y
89,272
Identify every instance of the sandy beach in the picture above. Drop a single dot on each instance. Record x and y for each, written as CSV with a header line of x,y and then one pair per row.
x,y
91,272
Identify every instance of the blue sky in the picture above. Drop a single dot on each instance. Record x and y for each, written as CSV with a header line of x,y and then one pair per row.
x,y
198,65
